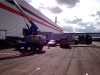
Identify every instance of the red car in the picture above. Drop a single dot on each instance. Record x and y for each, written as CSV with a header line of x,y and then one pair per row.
x,y
64,43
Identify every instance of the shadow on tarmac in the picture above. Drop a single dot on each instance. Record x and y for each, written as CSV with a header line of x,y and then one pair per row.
x,y
31,52
66,47
5,47
9,57
28,53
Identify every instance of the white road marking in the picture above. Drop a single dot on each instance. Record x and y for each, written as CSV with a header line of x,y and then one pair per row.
x,y
86,74
7,53
37,69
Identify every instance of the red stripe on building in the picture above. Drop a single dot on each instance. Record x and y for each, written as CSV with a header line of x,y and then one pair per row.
x,y
9,9
18,13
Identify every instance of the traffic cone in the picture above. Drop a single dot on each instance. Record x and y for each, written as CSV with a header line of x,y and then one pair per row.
x,y
48,46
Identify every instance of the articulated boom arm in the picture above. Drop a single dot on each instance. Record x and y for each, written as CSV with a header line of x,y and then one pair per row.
x,y
33,29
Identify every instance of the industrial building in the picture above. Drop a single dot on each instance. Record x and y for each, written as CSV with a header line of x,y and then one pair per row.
x,y
12,23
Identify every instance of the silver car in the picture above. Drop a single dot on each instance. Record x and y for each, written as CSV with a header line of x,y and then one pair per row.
x,y
52,43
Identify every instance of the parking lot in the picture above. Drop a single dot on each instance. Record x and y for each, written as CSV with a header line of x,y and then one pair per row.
x,y
79,60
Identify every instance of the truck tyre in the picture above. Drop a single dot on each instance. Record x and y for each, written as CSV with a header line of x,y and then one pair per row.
x,y
76,42
17,46
25,48
33,48
40,47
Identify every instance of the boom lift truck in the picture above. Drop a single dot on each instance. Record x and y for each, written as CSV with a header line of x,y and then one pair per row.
x,y
31,39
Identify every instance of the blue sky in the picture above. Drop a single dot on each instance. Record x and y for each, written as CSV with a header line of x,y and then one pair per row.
x,y
72,15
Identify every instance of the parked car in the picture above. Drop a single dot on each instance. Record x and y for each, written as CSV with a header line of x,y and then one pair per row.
x,y
52,43
64,43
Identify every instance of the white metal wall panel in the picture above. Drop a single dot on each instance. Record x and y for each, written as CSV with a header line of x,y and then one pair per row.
x,y
11,22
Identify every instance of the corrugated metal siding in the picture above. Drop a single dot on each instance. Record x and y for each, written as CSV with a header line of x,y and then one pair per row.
x,y
57,36
11,22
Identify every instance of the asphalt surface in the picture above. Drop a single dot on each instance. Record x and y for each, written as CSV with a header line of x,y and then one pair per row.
x,y
79,60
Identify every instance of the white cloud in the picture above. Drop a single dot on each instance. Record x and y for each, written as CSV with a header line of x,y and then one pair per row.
x,y
86,10
68,3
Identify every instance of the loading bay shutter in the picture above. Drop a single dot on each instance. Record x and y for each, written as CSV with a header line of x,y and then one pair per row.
x,y
2,34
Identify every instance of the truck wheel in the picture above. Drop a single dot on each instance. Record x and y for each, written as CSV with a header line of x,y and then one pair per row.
x,y
33,48
87,43
25,48
76,42
40,47
17,46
